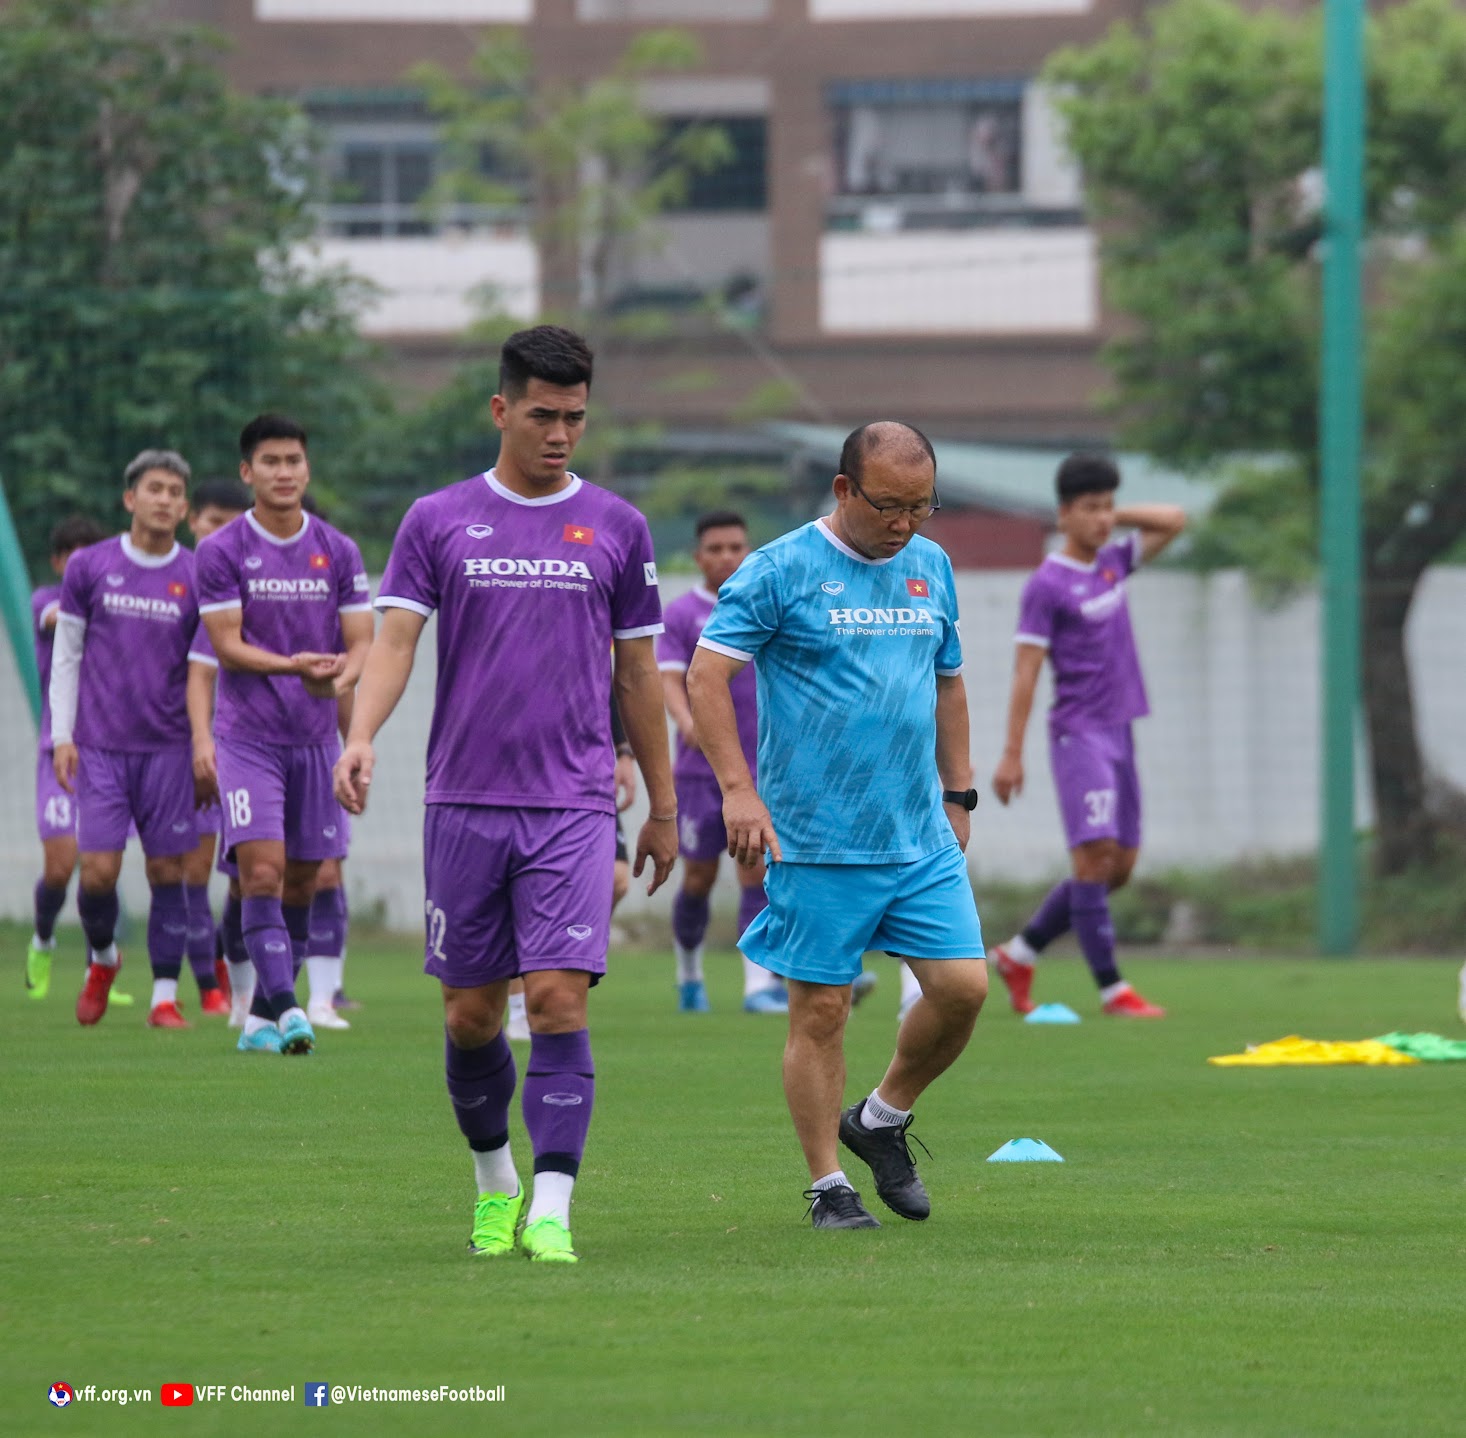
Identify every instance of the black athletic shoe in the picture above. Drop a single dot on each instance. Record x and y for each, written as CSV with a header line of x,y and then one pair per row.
x,y
838,1207
891,1164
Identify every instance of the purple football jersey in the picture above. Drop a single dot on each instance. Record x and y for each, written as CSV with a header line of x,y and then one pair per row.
x,y
1079,613
529,594
292,593
140,611
46,597
684,619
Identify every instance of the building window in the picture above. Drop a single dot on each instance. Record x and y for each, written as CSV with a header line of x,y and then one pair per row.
x,y
381,154
924,154
740,184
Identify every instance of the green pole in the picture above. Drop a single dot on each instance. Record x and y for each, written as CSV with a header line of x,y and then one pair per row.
x,y
1340,442
15,602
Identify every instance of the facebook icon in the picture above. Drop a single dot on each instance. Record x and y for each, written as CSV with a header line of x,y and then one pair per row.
x,y
317,1395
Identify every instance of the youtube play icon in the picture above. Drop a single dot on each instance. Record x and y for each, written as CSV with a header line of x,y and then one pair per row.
x,y
176,1395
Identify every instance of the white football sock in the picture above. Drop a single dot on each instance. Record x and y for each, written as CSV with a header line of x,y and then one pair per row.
x,y
689,964
1110,991
1020,950
46,946
322,975
832,1180
756,978
551,1197
877,1113
165,991
494,1172
910,988
516,1007
254,1023
109,958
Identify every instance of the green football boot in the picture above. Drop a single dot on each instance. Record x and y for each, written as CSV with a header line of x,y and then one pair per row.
x,y
547,1240
37,972
495,1222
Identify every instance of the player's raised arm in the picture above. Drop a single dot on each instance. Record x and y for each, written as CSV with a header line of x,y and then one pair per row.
x,y
745,816
639,702
1028,660
1158,524
384,678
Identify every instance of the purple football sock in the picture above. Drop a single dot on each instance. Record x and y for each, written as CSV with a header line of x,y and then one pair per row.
x,y
1051,919
559,1091
201,937
232,925
689,919
328,924
752,901
167,930
49,903
481,1086
298,926
98,917
1095,931
268,942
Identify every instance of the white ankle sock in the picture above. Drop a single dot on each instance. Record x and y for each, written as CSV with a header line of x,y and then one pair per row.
x,y
324,976
910,989
877,1113
551,1197
689,963
44,945
109,958
254,1023
756,978
165,991
831,1180
1020,950
494,1172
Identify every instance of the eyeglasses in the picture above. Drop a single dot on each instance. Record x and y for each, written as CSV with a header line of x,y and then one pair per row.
x,y
916,513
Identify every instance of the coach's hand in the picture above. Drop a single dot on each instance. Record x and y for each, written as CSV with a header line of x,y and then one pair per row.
x,y
1008,777
750,828
657,842
961,821
64,760
352,776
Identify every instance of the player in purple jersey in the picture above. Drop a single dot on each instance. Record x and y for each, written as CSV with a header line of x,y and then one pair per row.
x,y
534,575
214,503
129,607
55,813
1074,611
722,543
277,586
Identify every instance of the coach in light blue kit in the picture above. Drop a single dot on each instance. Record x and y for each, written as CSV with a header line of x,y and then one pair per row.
x,y
865,802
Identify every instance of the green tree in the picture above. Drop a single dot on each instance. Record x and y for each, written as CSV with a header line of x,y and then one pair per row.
x,y
147,215
1199,132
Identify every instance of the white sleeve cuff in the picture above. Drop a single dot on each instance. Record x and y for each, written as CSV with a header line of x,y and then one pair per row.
x,y
950,673
222,604
671,666
354,609
392,601
1037,639
208,659
642,633
725,649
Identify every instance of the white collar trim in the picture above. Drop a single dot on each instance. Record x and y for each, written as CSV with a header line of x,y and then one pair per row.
x,y
822,525
142,559
254,524
1074,563
558,497
703,592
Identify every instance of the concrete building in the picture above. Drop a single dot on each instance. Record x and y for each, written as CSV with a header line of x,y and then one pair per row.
x,y
899,231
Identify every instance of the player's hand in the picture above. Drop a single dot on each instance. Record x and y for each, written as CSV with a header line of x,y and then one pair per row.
x,y
961,821
750,828
352,776
1008,777
311,665
657,842
63,760
687,733
625,782
205,775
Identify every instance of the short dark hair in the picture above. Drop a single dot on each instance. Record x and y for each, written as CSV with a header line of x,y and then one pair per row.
x,y
880,434
1086,474
266,427
221,494
547,352
719,519
168,460
75,533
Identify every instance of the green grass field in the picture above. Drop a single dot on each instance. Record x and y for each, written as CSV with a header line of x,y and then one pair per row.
x,y
1224,1251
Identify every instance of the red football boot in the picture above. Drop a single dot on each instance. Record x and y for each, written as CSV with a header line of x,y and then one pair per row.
x,y
1127,1004
91,1003
221,977
1018,978
213,1001
168,1016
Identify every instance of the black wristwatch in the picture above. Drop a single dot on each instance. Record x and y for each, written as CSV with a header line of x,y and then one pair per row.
x,y
963,798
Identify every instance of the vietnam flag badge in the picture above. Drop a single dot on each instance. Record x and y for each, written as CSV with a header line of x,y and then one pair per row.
x,y
319,561
579,534
918,589
177,589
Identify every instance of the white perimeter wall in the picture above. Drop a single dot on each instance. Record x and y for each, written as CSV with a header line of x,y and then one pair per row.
x,y
1229,758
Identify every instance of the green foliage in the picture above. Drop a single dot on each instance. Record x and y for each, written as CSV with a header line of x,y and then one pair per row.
x,y
145,256
1264,522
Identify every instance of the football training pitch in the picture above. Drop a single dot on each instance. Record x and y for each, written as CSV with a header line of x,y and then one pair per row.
x,y
1224,1251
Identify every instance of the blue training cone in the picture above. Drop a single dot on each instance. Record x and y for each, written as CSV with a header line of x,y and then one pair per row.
x,y
1051,1014
1025,1150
